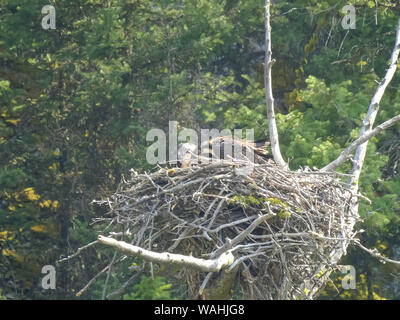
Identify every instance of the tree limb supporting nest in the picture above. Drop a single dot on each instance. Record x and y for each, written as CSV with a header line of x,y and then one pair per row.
x,y
212,265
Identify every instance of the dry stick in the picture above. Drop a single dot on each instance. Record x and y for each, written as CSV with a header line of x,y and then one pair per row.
x,y
103,295
212,265
91,281
171,190
122,288
95,277
231,224
78,251
273,131
346,153
204,283
228,245
375,253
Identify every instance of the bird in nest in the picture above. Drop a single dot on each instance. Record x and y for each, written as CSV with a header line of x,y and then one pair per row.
x,y
226,148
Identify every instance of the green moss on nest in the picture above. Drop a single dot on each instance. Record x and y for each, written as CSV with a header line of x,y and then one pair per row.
x,y
283,214
262,202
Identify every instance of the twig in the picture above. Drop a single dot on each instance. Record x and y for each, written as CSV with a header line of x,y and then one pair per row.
x,y
83,290
103,295
122,288
228,245
375,253
78,251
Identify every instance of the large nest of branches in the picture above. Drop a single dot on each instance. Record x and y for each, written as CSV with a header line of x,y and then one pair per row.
x,y
197,211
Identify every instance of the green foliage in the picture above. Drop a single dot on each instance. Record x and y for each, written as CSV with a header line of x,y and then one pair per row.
x,y
149,289
81,233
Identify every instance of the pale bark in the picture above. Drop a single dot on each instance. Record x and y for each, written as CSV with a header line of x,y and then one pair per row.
x,y
366,131
212,265
241,236
312,289
346,153
368,123
273,131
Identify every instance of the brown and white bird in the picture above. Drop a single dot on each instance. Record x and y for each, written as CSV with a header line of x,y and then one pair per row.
x,y
226,148
186,151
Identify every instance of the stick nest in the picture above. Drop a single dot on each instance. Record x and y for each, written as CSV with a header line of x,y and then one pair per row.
x,y
197,210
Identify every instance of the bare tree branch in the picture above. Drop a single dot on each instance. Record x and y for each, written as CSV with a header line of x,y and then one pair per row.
x,y
212,265
83,290
366,131
371,115
375,253
359,158
122,288
78,251
346,153
273,131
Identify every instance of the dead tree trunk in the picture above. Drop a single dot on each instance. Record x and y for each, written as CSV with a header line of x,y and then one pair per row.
x,y
269,98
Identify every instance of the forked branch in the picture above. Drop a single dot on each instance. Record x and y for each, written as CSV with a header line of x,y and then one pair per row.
x,y
368,121
360,144
346,153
